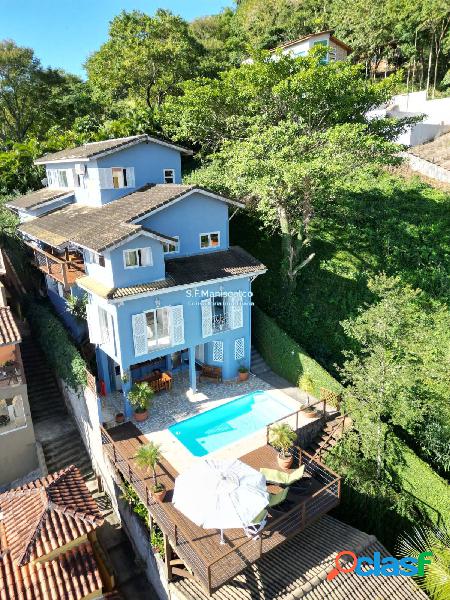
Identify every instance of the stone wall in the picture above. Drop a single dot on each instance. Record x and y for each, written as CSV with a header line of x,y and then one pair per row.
x,y
428,168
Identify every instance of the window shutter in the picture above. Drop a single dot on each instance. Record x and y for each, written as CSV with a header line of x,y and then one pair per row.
x,y
93,323
111,336
130,177
139,322
218,351
206,317
146,257
235,311
105,179
60,290
239,349
177,325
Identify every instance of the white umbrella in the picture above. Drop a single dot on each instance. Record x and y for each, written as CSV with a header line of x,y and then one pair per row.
x,y
220,494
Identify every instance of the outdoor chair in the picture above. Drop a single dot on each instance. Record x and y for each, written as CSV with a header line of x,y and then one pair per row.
x,y
282,478
259,522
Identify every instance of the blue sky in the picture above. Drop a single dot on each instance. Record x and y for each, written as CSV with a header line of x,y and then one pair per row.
x,y
64,32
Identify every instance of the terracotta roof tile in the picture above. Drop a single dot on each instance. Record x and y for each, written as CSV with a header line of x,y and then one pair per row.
x,y
101,228
9,332
47,514
34,199
93,149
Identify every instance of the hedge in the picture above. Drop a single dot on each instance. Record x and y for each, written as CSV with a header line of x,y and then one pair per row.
x,y
285,356
57,345
428,489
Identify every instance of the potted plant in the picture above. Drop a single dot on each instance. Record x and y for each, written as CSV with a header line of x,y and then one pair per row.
x,y
140,397
282,438
120,418
243,373
147,457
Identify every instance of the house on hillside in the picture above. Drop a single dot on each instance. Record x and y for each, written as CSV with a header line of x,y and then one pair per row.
x,y
165,289
48,543
337,49
17,441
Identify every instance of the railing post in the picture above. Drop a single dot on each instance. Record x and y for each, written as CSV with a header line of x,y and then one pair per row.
x,y
167,556
209,579
114,454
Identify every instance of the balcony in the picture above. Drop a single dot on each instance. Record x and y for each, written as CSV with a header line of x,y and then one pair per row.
x,y
193,551
65,270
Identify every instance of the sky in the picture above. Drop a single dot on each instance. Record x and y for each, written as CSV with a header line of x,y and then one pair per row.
x,y
64,32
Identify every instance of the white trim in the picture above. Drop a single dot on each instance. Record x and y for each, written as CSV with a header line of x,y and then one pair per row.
x,y
186,195
172,176
127,239
209,234
147,249
176,244
140,140
177,287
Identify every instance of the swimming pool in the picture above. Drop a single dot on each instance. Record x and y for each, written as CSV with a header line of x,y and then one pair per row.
x,y
218,427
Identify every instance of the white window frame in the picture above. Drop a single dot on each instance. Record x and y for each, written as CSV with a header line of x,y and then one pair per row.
x,y
59,174
150,347
97,259
139,264
176,244
209,234
169,174
122,177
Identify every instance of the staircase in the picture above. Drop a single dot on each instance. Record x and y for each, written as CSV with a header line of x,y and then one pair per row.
x,y
257,365
329,436
54,427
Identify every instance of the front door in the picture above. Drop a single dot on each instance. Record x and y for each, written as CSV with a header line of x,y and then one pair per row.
x,y
117,378
200,353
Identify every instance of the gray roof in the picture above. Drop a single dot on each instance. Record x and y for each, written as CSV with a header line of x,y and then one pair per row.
x,y
189,270
101,228
96,149
298,569
34,199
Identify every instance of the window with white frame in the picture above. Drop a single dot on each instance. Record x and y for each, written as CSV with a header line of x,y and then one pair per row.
x,y
210,240
104,324
97,259
62,181
116,177
119,176
138,257
170,247
158,327
169,175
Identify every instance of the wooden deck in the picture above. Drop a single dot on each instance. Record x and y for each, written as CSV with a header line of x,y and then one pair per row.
x,y
211,563
65,270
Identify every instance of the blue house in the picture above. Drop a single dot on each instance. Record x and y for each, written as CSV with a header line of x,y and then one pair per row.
x,y
165,289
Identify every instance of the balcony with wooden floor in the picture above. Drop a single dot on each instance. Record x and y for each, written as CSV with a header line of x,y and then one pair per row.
x,y
191,551
65,268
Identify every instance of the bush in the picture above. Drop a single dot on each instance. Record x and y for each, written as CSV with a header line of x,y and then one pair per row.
x,y
286,357
60,351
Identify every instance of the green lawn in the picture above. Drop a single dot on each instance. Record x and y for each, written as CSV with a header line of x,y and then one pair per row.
x,y
395,225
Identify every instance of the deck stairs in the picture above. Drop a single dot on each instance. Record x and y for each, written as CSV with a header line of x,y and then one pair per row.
x,y
328,437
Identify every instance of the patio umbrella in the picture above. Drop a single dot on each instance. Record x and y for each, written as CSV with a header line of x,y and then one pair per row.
x,y
220,494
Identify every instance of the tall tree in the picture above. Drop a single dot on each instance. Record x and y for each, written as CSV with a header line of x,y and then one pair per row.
x,y
144,58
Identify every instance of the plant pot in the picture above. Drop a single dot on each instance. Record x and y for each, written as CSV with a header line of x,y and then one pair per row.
x,y
141,416
310,413
159,496
120,418
243,376
285,462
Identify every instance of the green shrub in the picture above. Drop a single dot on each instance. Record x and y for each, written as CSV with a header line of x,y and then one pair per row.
x,y
286,357
61,353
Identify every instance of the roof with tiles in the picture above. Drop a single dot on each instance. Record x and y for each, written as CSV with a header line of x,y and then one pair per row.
x,y
190,270
101,228
47,514
37,198
72,575
95,149
9,332
299,567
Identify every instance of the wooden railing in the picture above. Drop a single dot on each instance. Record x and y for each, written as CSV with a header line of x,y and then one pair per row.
x,y
214,572
64,271
339,426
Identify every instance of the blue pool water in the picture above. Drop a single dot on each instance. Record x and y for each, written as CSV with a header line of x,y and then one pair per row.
x,y
218,427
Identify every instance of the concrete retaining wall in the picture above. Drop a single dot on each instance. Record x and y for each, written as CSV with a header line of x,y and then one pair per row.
x,y
428,168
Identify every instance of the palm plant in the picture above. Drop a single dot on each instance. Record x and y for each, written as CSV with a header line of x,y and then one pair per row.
x,y
147,457
282,438
140,396
436,578
306,383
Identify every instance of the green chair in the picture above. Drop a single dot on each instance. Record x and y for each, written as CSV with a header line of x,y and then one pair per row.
x,y
282,478
259,522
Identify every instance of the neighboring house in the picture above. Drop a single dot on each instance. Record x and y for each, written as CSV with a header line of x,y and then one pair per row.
x,y
48,545
337,50
17,441
166,291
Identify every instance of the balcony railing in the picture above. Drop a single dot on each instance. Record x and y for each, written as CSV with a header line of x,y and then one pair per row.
x,y
209,562
65,271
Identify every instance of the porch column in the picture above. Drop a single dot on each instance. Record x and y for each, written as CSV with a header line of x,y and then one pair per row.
x,y
103,369
192,373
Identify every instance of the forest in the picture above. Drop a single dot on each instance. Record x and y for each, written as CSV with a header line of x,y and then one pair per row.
x,y
357,247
